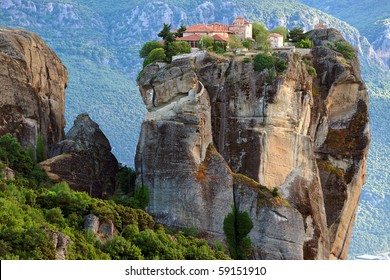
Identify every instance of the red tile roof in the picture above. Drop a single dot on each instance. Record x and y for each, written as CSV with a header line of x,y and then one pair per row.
x,y
199,28
192,37
275,35
218,37
207,28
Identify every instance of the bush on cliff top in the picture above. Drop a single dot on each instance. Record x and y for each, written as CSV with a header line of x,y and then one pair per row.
x,y
346,49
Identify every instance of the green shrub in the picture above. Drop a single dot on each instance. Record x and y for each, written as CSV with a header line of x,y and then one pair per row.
x,y
121,249
190,231
148,47
275,192
312,71
246,60
60,195
346,49
54,216
85,246
13,154
280,65
271,76
156,55
247,44
263,61
305,44
176,48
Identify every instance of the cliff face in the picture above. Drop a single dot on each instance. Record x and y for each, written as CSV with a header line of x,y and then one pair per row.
x,y
340,129
217,134
32,87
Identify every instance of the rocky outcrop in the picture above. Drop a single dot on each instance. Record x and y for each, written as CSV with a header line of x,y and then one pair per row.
x,y
217,134
6,172
84,159
103,229
340,126
60,241
32,87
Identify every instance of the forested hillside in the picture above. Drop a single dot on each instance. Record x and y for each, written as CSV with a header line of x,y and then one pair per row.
x,y
98,41
42,221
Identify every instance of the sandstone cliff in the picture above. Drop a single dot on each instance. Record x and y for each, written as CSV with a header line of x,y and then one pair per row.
x,y
217,133
32,89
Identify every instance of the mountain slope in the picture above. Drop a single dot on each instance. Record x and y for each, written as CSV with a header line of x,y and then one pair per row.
x,y
368,16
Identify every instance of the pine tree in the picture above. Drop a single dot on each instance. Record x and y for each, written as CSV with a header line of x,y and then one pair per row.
x,y
40,149
142,196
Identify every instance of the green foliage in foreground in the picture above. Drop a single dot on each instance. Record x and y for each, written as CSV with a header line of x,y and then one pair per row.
x,y
236,227
29,209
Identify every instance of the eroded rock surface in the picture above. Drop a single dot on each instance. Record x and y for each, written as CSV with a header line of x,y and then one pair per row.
x,y
32,89
84,159
60,241
212,120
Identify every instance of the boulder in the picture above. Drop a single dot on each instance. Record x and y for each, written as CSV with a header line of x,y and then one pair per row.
x,y
84,159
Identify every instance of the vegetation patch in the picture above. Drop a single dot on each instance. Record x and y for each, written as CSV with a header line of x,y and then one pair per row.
x,y
346,49
245,180
309,67
263,61
30,209
327,166
265,196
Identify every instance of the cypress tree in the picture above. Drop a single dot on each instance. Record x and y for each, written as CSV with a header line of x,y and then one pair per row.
x,y
142,196
40,149
236,227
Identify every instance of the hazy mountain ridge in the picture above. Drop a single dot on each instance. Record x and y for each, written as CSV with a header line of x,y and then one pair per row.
x,y
99,43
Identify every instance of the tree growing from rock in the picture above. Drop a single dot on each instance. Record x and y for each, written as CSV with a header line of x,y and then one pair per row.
x,y
236,227
40,149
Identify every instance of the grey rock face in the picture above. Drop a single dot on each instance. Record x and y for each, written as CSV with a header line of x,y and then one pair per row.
x,y
32,89
342,107
60,241
91,222
103,229
84,159
278,132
